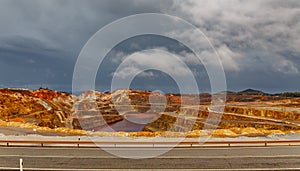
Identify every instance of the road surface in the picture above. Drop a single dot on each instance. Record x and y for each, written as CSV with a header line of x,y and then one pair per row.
x,y
233,158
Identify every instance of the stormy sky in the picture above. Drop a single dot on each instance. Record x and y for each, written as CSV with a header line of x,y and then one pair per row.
x,y
257,42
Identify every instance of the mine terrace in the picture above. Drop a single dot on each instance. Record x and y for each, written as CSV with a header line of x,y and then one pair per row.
x,y
146,113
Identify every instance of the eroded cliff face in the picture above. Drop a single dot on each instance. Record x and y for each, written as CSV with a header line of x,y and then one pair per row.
x,y
41,107
175,115
47,108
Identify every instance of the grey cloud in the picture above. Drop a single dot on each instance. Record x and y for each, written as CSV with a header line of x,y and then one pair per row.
x,y
40,40
263,37
243,26
258,40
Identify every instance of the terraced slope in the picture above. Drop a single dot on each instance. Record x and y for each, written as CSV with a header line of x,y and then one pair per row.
x,y
250,114
41,107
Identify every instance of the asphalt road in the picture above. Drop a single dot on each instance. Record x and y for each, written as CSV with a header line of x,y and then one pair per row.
x,y
233,158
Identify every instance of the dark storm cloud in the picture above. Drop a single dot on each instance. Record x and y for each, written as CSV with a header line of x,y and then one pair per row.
x,y
26,62
258,41
40,40
64,24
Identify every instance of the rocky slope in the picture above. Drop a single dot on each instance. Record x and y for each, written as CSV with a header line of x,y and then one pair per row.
x,y
40,107
249,112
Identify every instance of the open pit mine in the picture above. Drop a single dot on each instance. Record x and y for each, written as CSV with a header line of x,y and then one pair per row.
x,y
146,113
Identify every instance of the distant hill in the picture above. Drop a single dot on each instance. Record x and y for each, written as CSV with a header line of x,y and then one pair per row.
x,y
288,94
252,92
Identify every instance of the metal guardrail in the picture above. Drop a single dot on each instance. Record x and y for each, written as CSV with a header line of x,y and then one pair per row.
x,y
78,143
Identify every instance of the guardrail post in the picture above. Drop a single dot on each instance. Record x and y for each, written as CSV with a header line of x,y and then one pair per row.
x,y
78,142
21,164
265,144
7,144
